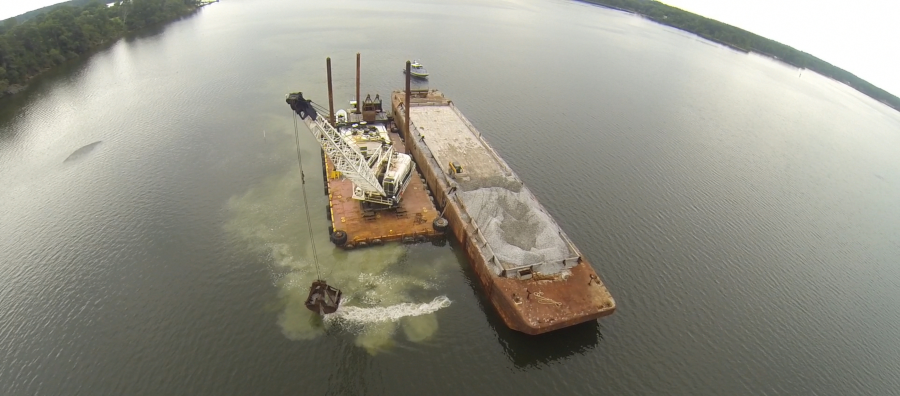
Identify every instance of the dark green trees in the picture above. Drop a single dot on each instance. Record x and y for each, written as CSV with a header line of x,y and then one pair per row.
x,y
66,32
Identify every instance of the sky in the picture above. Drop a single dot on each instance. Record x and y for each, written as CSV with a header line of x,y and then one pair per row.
x,y
857,36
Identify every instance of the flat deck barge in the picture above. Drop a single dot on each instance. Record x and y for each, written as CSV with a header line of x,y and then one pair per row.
x,y
410,222
375,194
532,273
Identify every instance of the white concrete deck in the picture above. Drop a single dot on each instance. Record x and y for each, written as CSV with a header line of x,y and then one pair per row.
x,y
450,139
520,233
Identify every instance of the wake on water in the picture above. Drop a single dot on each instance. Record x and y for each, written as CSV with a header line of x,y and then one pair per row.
x,y
393,313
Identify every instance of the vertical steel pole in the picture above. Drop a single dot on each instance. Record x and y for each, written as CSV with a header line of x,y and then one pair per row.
x,y
358,108
406,104
330,92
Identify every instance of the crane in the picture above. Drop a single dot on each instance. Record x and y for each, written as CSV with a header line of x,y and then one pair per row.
x,y
379,177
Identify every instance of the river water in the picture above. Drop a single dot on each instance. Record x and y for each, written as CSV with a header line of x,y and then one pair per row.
x,y
154,240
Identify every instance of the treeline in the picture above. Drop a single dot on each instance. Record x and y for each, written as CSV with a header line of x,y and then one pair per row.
x,y
67,31
33,13
745,41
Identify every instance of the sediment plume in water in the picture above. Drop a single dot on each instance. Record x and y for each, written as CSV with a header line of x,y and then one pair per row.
x,y
382,294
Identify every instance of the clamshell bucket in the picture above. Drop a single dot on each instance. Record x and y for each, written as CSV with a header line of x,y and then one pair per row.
x,y
323,299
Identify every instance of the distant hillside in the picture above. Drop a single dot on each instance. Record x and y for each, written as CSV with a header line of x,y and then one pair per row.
x,y
746,41
58,33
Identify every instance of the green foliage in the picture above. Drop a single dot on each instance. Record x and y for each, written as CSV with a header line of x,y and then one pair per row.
x,y
33,13
745,41
72,29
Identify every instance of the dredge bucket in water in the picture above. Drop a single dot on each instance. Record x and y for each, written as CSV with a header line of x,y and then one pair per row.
x,y
323,299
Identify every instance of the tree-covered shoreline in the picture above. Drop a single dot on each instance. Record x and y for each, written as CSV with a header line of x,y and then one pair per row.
x,y
743,40
67,31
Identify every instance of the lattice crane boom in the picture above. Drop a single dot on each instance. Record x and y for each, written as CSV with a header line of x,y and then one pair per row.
x,y
345,155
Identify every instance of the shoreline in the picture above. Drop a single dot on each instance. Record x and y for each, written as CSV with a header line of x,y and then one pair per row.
x,y
801,60
21,86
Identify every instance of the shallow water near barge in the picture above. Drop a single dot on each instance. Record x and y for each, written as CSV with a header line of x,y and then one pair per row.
x,y
743,218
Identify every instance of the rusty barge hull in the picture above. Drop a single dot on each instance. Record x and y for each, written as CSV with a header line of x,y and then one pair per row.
x,y
532,294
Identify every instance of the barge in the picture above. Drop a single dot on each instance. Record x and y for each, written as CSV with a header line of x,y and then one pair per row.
x,y
532,273
529,269
375,194
408,216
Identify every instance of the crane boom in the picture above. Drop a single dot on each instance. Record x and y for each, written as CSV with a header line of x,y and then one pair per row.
x,y
350,161
345,155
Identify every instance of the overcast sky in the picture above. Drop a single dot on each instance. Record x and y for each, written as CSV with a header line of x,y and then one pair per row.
x,y
859,36
856,36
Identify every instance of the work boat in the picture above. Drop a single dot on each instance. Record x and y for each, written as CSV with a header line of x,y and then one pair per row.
x,y
417,70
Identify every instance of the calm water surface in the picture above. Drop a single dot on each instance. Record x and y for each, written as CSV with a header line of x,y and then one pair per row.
x,y
154,239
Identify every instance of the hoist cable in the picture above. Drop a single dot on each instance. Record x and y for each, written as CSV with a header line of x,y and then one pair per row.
x,y
305,201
